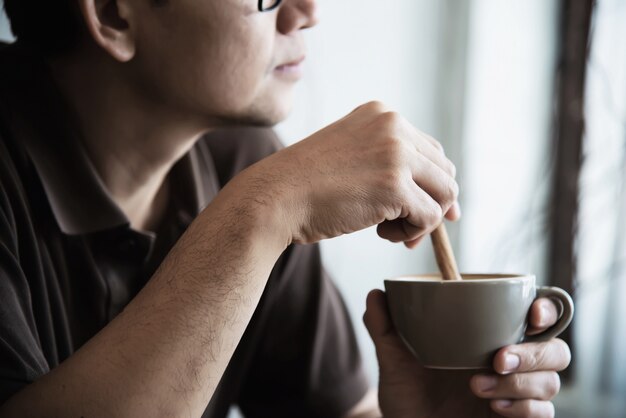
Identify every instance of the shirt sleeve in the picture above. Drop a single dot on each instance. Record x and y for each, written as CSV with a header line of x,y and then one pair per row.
x,y
308,363
21,358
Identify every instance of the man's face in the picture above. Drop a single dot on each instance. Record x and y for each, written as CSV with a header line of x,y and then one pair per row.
x,y
221,60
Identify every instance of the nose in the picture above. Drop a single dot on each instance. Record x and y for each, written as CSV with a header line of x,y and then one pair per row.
x,y
294,15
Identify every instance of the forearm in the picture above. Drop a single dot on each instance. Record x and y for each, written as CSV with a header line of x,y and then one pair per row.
x,y
166,352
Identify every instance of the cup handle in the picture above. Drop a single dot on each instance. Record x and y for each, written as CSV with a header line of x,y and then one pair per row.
x,y
565,316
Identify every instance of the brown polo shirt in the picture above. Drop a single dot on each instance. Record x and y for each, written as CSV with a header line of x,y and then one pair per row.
x,y
70,262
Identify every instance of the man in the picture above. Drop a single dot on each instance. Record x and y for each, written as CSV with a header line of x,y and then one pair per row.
x,y
135,247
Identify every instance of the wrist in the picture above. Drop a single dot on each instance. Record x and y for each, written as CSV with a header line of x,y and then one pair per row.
x,y
258,205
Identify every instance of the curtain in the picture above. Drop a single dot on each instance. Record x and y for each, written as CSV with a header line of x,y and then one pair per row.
x,y
601,246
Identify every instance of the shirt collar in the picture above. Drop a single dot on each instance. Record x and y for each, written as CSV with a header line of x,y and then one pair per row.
x,y
38,119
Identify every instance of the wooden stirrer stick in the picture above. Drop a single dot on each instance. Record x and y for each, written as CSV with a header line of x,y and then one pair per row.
x,y
444,255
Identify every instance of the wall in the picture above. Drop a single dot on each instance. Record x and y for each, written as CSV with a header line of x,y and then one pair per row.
x,y
511,64
5,32
373,51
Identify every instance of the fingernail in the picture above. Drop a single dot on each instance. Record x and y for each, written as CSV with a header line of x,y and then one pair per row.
x,y
486,383
511,362
503,403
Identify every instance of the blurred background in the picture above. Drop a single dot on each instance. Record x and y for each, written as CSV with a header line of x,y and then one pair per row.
x,y
529,99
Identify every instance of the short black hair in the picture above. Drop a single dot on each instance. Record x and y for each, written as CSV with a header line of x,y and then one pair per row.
x,y
50,26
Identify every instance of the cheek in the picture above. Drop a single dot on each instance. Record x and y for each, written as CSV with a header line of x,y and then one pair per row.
x,y
236,68
207,66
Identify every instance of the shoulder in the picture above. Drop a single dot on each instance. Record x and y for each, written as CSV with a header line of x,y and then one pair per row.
x,y
14,163
22,201
235,149
10,185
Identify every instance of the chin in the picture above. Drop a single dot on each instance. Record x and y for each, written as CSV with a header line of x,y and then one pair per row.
x,y
266,114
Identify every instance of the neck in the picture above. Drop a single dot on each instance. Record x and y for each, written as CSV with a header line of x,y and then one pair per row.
x,y
132,141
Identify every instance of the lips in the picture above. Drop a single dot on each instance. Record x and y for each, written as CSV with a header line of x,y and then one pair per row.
x,y
294,63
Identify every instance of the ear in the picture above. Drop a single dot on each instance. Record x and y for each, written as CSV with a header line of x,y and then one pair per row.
x,y
108,23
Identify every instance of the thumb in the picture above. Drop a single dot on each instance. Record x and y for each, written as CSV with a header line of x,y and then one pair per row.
x,y
393,356
376,317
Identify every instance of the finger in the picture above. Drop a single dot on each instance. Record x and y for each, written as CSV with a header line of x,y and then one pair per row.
x,y
400,230
526,408
414,243
436,144
428,138
393,356
434,181
428,147
376,317
542,315
536,385
550,355
454,213
422,143
420,215
435,155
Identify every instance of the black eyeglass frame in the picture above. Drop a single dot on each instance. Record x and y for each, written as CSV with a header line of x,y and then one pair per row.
x,y
275,5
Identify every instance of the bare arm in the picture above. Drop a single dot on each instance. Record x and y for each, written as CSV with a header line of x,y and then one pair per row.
x,y
165,353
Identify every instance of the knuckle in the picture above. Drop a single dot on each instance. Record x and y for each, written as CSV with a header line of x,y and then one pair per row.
x,y
531,362
396,180
392,152
517,382
452,191
392,180
538,358
375,106
433,214
390,119
371,106
451,169
434,142
455,190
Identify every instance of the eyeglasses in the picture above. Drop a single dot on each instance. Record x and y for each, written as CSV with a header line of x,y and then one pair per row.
x,y
267,5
